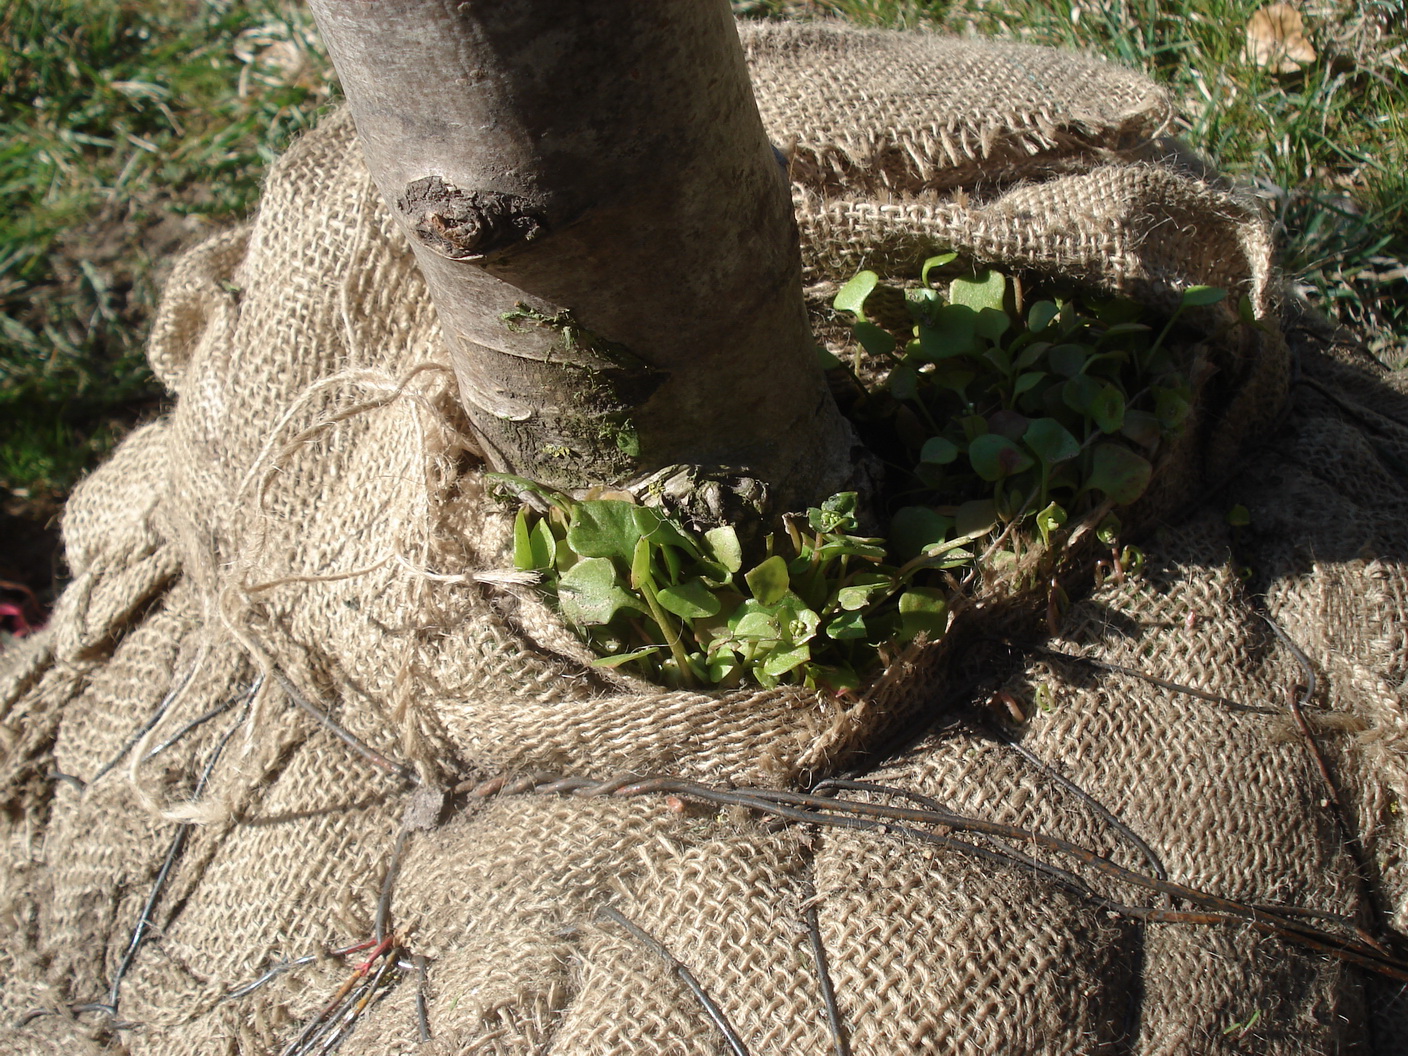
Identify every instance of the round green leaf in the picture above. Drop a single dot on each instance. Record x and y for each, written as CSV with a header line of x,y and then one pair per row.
x,y
1027,381
724,547
604,528
1068,360
1117,471
1011,424
1201,296
781,661
858,595
1051,441
951,332
769,581
994,457
1142,427
923,609
721,667
1081,392
953,377
930,474
758,627
992,323
914,529
691,600
999,357
851,297
873,339
903,383
938,450
1172,407
1117,310
1029,353
974,517
1040,315
973,426
1107,409
985,290
832,676
590,593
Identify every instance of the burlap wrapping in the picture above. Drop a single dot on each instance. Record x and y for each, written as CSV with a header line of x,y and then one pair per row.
x,y
310,511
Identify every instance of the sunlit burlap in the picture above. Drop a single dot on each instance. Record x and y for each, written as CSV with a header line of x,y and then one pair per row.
x,y
311,511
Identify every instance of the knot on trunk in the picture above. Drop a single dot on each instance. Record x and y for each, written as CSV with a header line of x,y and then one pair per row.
x,y
466,225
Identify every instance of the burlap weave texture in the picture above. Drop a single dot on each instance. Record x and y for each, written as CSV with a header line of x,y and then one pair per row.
x,y
311,510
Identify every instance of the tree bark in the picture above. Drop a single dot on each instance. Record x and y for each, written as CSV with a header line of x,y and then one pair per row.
x,y
608,238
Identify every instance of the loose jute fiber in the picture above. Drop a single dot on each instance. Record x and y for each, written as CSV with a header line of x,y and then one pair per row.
x,y
291,718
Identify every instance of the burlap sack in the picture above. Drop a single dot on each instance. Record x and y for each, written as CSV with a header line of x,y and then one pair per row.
x,y
309,524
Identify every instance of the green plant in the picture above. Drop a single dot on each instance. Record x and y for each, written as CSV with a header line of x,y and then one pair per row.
x,y
1239,1029
1007,410
1001,419
686,608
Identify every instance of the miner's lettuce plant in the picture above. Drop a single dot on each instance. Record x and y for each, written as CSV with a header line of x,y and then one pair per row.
x,y
1035,412
820,608
1001,422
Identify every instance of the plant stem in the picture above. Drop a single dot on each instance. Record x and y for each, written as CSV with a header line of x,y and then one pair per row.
x,y
667,628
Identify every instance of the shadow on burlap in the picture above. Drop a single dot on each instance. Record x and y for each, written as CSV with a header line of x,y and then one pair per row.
x,y
311,514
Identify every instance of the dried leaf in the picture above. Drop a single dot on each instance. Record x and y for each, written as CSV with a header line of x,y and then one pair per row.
x,y
1276,39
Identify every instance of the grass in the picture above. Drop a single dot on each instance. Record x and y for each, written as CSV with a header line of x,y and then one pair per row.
x,y
130,127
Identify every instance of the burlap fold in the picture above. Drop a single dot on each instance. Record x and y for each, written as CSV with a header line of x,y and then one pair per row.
x,y
309,524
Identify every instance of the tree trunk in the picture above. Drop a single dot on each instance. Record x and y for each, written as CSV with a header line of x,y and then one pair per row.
x,y
608,238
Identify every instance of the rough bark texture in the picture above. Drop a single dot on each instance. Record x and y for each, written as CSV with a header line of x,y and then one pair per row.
x,y
607,234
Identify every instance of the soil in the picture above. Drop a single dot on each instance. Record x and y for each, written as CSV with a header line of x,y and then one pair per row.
x,y
31,566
